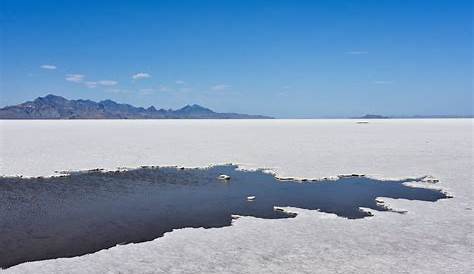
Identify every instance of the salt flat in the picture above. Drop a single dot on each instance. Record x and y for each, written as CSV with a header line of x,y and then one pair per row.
x,y
430,238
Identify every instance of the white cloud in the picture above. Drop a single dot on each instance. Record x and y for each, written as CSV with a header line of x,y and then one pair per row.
x,y
79,78
90,84
76,78
180,82
107,82
357,52
185,89
164,88
381,82
146,91
220,87
48,66
141,75
116,90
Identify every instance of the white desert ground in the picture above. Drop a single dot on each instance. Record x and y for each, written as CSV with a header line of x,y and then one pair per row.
x,y
433,237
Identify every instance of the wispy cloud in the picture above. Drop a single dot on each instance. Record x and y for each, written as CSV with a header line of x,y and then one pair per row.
x,y
48,66
107,82
79,78
185,89
90,84
220,87
146,91
180,82
141,75
116,90
76,78
357,52
163,88
382,82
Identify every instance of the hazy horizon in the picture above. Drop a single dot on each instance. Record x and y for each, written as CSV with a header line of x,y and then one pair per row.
x,y
280,117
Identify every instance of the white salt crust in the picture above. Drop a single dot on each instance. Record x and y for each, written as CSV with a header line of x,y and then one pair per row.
x,y
429,238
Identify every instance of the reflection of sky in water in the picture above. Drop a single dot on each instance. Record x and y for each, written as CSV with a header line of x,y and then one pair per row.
x,y
73,215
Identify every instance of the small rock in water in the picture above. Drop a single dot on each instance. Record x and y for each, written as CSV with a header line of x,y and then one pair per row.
x,y
430,179
250,198
224,177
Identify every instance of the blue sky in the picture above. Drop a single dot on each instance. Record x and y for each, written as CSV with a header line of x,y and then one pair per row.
x,y
296,59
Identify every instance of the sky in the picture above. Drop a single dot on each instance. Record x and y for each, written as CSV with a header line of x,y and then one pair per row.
x,y
288,59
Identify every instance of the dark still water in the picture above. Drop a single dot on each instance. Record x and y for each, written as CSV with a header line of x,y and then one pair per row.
x,y
43,218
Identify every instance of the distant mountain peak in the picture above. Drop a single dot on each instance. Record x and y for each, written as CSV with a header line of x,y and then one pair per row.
x,y
108,101
56,107
151,108
195,107
51,97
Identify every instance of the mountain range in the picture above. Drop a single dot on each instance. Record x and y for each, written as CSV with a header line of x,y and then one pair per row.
x,y
57,107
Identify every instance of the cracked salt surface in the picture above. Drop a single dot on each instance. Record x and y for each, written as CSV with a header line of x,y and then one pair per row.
x,y
429,238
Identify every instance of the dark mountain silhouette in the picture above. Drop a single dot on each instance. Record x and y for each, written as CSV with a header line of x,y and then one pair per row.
x,y
57,107
373,116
